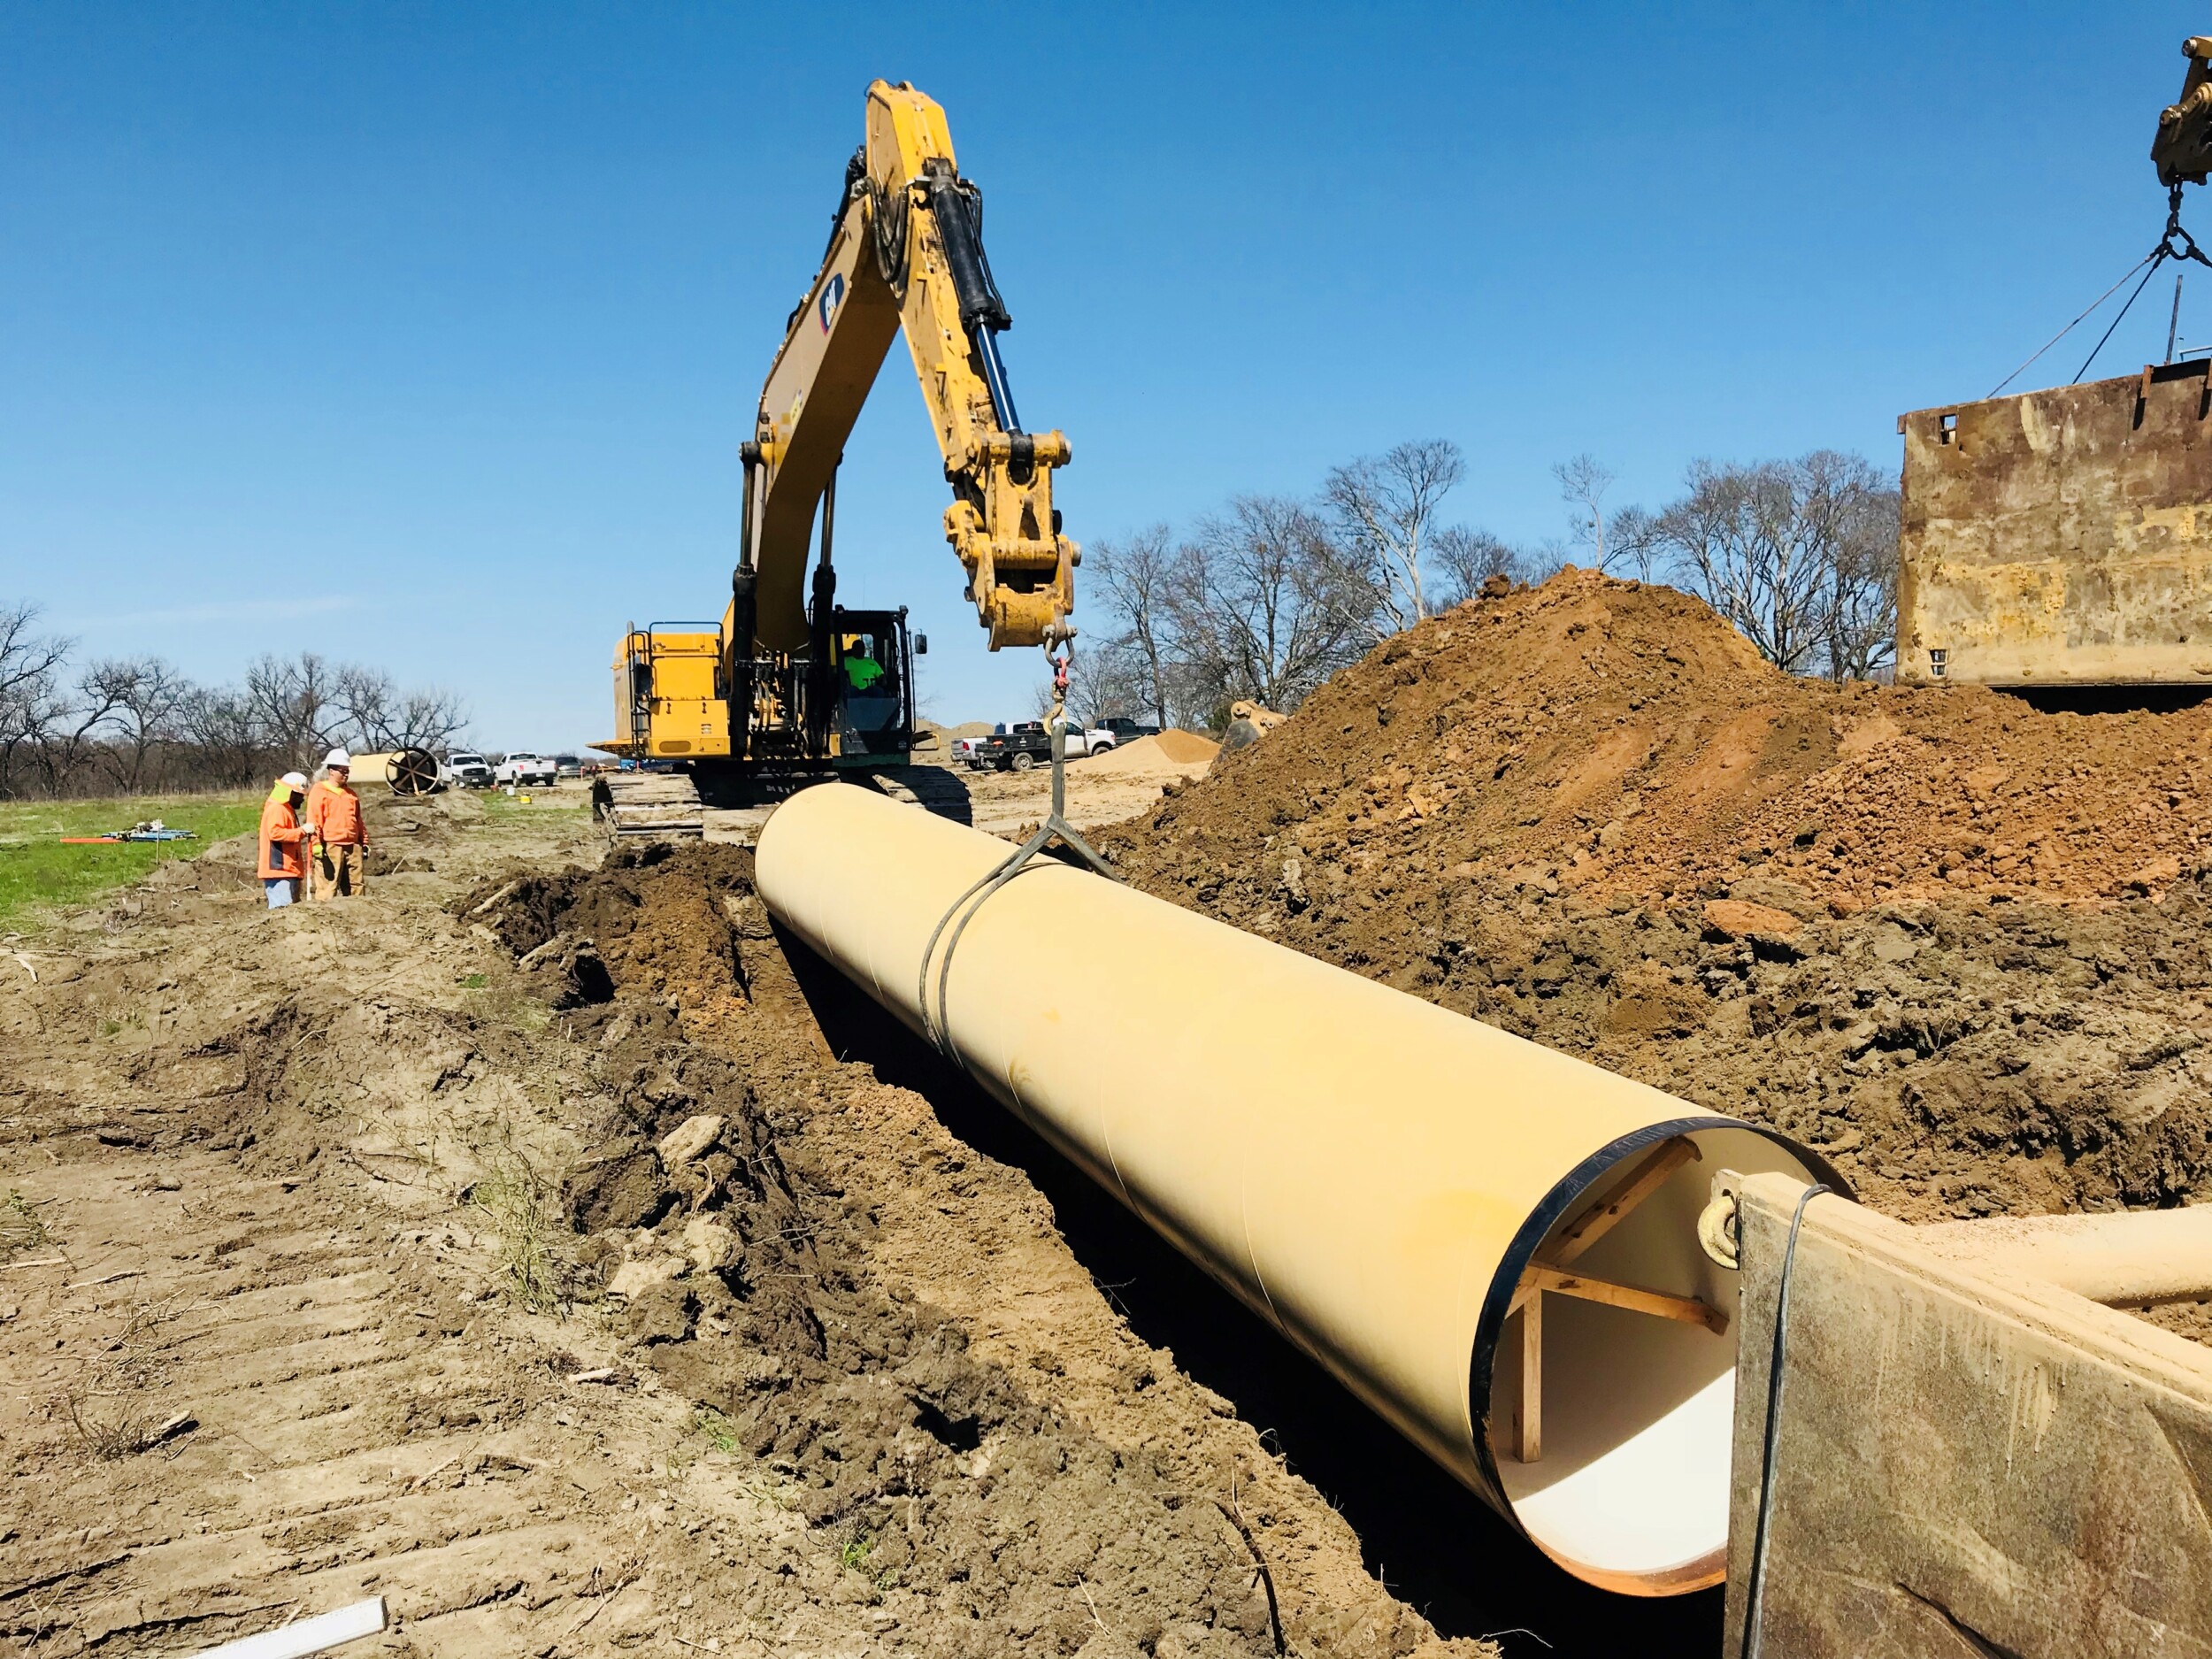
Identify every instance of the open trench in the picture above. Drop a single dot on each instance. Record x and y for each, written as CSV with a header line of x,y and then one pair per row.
x,y
1425,1536
1072,1303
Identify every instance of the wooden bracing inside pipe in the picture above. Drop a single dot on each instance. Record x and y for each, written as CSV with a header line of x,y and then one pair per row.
x,y
1550,1271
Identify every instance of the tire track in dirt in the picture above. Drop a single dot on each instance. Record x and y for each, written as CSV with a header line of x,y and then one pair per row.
x,y
321,1328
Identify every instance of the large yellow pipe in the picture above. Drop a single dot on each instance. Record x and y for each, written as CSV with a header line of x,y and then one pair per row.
x,y
1369,1173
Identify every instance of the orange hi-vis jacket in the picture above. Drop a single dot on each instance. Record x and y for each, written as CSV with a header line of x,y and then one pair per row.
x,y
283,838
334,812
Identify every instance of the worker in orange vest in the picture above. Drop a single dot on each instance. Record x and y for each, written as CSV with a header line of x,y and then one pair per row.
x,y
284,841
342,839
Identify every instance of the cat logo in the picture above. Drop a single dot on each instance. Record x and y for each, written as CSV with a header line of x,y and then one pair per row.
x,y
832,295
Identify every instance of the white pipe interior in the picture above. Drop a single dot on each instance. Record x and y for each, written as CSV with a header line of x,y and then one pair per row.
x,y
1638,1412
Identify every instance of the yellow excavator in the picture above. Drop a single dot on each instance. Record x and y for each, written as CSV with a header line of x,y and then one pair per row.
x,y
789,684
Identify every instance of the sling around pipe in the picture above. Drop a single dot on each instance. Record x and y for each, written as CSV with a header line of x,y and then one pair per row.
x,y
1372,1174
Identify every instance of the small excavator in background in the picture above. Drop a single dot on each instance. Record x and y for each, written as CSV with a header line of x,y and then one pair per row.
x,y
789,685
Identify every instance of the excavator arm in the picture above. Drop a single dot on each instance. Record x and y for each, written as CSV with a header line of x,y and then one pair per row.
x,y
905,255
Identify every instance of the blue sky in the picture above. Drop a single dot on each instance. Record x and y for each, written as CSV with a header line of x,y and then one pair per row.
x,y
426,334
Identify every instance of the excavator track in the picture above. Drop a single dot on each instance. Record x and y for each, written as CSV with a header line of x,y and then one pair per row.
x,y
668,806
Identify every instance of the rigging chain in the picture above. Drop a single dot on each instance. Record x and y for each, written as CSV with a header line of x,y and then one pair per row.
x,y
935,1011
2177,244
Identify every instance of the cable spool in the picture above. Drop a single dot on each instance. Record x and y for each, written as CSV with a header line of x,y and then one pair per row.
x,y
413,771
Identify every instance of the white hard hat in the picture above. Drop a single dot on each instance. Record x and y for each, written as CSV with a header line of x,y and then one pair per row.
x,y
293,781
339,758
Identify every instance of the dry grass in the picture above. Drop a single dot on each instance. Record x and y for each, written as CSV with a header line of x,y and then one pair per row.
x,y
521,1211
21,1231
113,1404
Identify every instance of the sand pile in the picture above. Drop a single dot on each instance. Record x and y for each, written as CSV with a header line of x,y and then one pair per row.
x,y
938,752
1625,740
1171,750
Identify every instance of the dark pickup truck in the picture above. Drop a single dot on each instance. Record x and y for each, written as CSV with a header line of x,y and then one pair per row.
x,y
1028,744
1016,748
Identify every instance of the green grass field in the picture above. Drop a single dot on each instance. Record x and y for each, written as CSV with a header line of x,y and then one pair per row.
x,y
37,869
568,796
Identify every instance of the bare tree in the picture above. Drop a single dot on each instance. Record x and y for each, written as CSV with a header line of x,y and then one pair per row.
x,y
1135,578
1385,508
137,723
1799,555
1261,610
1862,533
1583,484
144,697
365,700
428,718
295,705
67,730
226,741
1635,538
370,711
1465,559
31,664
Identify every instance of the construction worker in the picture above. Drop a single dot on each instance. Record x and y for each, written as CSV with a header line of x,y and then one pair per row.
x,y
284,841
342,839
861,671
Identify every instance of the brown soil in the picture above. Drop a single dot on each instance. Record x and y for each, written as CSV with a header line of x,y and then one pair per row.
x,y
1099,792
1617,739
574,1305
1963,946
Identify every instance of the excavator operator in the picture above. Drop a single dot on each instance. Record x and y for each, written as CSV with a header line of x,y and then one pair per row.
x,y
861,671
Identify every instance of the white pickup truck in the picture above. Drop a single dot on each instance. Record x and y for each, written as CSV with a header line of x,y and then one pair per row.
x,y
523,767
464,769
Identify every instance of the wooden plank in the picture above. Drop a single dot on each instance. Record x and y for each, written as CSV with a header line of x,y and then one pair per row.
x,y
2032,1478
1635,1298
1529,1442
1644,1178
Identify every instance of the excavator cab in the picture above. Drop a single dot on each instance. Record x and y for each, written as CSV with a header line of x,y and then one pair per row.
x,y
872,680
672,687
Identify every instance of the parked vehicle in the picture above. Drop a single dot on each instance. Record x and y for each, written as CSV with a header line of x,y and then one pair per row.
x,y
1026,743
464,769
569,765
523,767
1126,730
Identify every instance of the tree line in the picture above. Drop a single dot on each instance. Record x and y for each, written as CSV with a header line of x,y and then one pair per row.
x,y
131,725
1270,595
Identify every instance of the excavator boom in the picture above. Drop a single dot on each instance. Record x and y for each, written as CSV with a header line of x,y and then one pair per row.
x,y
906,254
791,683
2181,150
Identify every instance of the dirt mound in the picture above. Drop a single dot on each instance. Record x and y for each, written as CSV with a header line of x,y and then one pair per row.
x,y
1957,943
1171,750
659,938
1623,738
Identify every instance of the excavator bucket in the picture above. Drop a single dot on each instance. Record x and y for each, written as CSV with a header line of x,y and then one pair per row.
x,y
2182,151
